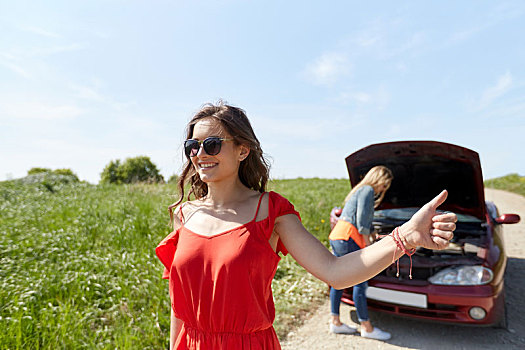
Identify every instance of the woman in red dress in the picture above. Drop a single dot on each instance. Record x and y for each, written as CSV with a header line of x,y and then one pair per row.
x,y
223,252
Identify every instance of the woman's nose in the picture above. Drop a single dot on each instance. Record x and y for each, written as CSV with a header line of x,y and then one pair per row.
x,y
201,150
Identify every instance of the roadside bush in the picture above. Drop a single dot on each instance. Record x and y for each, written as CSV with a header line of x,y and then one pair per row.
x,y
66,172
132,170
71,176
49,181
37,170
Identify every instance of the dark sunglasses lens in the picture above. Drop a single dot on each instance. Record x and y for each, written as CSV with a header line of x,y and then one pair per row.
x,y
191,148
212,145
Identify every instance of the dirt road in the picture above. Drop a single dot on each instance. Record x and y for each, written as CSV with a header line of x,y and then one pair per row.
x,y
410,334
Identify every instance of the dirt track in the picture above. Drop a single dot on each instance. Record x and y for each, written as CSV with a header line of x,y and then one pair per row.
x,y
410,334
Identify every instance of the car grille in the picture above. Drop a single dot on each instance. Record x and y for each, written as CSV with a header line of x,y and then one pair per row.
x,y
426,262
418,273
439,311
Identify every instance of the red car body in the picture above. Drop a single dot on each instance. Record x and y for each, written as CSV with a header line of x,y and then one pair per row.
x,y
421,170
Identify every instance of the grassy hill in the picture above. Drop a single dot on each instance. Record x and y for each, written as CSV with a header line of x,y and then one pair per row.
x,y
512,183
78,268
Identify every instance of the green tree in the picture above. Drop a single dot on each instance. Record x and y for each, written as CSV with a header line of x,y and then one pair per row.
x,y
132,170
112,173
140,169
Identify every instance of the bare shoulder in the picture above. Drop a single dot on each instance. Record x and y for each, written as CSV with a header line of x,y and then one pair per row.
x,y
182,211
174,211
189,207
287,220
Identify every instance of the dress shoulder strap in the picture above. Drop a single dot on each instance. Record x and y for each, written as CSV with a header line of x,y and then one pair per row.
x,y
181,215
258,205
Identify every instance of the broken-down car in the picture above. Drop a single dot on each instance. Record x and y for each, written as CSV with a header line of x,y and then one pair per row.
x,y
462,284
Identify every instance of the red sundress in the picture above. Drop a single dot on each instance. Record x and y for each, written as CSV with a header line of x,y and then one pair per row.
x,y
220,285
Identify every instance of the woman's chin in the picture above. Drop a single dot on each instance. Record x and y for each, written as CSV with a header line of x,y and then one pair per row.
x,y
206,178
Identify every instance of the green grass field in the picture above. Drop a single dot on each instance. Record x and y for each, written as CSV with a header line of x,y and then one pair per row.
x,y
512,182
78,268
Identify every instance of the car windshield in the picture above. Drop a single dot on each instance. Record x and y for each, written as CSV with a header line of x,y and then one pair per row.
x,y
405,214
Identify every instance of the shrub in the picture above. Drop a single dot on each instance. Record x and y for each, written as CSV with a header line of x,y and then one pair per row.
x,y
132,170
140,169
111,173
71,176
37,170
49,180
66,172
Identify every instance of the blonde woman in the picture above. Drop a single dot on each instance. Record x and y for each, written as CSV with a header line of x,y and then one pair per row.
x,y
353,232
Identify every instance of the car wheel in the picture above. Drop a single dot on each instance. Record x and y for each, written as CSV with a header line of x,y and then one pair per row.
x,y
353,316
503,321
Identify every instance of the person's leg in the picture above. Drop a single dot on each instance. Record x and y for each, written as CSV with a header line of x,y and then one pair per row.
x,y
367,330
359,296
339,248
335,304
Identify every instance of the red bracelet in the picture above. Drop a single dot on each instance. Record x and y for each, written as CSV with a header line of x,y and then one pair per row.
x,y
399,244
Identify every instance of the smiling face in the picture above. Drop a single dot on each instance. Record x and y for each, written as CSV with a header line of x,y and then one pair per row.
x,y
222,166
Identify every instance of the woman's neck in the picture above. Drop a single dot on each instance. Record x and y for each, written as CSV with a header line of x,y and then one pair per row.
x,y
226,192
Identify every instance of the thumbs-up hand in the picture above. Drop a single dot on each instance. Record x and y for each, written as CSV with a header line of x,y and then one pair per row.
x,y
428,229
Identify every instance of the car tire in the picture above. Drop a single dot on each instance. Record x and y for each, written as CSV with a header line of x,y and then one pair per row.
x,y
353,316
503,321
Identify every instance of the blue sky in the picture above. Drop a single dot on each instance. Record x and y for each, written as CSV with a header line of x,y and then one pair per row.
x,y
83,83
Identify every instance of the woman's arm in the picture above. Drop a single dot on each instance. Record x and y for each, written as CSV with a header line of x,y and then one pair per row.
x,y
424,229
175,327
175,323
365,211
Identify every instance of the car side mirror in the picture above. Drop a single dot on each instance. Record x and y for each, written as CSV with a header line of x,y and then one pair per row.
x,y
508,219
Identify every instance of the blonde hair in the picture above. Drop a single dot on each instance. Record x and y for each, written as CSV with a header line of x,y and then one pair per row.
x,y
378,175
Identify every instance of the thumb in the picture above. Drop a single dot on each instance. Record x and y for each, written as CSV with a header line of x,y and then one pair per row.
x,y
438,200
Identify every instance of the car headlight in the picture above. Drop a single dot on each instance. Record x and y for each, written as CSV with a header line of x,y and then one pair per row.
x,y
463,276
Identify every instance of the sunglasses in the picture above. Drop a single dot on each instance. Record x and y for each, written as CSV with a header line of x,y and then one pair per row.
x,y
211,145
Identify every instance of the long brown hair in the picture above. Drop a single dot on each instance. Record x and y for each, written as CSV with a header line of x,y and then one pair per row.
x,y
254,170
378,175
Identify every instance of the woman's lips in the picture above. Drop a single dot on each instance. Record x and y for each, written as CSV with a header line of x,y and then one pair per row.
x,y
207,165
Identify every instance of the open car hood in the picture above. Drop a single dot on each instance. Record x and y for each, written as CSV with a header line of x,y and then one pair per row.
x,y
422,169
